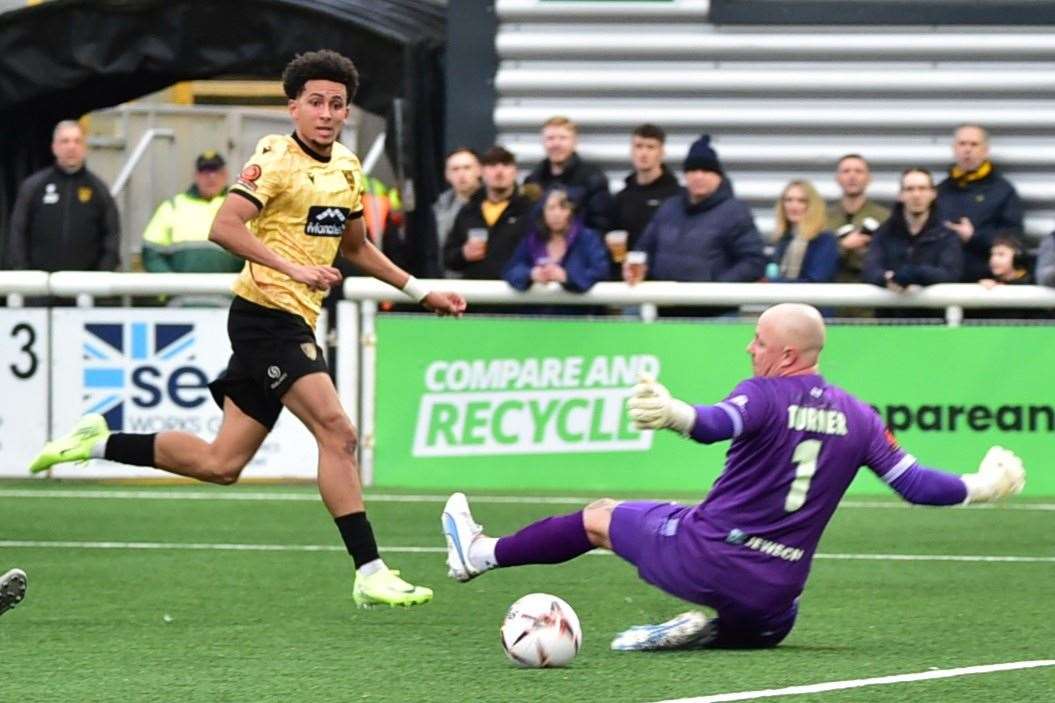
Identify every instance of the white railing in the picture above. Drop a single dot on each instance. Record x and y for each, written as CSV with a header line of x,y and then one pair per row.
x,y
92,284
660,293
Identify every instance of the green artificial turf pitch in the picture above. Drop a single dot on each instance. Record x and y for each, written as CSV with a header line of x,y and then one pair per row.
x,y
208,624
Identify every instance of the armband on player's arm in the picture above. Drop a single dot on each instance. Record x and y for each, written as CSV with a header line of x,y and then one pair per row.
x,y
415,290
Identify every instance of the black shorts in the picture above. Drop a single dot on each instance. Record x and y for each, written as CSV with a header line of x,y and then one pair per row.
x,y
272,349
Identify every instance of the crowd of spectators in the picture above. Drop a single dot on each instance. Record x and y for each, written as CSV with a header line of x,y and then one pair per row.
x,y
562,226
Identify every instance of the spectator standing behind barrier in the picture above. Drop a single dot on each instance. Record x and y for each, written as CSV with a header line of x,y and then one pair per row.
x,y
704,234
64,218
1045,275
585,183
462,172
805,252
176,239
560,250
1008,266
975,201
488,229
646,188
854,218
914,247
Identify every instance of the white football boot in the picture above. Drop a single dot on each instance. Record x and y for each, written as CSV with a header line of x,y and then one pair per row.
x,y
461,531
691,630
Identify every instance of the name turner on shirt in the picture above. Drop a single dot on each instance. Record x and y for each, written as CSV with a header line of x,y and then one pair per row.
x,y
816,420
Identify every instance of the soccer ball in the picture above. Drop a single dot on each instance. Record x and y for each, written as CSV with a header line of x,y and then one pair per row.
x,y
541,630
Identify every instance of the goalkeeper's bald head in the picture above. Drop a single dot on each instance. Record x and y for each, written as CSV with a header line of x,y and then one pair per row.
x,y
789,340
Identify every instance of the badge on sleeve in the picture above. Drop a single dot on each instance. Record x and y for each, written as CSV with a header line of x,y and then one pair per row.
x,y
248,177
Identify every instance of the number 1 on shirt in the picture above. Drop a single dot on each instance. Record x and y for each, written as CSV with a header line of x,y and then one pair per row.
x,y
805,460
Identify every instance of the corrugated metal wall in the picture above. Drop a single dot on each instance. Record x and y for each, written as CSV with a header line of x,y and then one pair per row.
x,y
781,102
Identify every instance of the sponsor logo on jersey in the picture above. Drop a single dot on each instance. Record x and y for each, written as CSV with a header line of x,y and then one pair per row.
x,y
326,221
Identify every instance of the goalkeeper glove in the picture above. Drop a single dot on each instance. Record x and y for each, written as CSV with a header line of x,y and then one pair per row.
x,y
999,476
651,407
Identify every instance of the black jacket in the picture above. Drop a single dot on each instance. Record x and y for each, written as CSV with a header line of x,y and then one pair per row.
x,y
587,187
992,205
932,256
636,204
63,222
502,237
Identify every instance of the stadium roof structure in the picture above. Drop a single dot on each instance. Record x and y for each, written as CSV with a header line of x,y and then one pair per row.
x,y
64,58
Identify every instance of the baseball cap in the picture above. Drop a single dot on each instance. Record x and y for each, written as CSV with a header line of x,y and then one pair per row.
x,y
209,161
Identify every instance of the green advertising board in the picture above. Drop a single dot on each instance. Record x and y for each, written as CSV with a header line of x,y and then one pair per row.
x,y
539,404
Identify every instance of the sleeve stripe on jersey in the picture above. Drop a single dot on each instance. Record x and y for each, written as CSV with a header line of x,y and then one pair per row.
x,y
247,196
899,468
356,215
734,415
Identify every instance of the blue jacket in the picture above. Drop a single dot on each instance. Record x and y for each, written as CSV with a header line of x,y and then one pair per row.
x,y
821,262
585,261
932,256
713,240
991,204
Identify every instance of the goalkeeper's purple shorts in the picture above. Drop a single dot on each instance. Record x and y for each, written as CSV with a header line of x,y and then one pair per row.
x,y
646,534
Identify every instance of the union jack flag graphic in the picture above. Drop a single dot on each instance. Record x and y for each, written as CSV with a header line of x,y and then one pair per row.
x,y
113,350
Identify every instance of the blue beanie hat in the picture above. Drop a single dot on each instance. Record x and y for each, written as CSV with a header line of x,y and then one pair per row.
x,y
702,156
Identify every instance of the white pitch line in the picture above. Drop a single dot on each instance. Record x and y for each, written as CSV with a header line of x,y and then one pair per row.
x,y
181,494
861,683
237,547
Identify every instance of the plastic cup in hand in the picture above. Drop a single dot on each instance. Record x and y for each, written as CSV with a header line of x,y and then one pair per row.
x,y
635,263
616,243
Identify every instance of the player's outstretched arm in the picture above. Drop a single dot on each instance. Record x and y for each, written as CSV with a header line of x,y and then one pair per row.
x,y
362,254
230,232
999,476
651,407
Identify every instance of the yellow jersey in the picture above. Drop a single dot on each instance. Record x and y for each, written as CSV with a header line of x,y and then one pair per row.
x,y
305,201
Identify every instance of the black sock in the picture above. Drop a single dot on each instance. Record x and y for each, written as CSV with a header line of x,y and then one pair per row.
x,y
127,448
358,537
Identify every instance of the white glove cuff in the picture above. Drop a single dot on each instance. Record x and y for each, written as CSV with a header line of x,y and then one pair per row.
x,y
682,416
979,489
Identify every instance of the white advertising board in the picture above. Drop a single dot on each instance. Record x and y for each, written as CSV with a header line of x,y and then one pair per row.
x,y
23,387
147,370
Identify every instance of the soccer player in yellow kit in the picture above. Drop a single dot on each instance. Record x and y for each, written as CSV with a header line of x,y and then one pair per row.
x,y
296,203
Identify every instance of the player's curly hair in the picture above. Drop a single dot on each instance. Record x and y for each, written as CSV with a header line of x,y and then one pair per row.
x,y
324,65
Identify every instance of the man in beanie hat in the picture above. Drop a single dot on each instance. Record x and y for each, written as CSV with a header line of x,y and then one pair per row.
x,y
704,234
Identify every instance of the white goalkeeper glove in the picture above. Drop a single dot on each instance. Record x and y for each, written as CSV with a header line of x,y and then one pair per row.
x,y
651,407
999,476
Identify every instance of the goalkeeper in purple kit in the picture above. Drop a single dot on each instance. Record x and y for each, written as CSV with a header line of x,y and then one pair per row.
x,y
746,550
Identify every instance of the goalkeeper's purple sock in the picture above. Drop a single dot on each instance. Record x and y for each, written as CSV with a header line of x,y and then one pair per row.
x,y
548,541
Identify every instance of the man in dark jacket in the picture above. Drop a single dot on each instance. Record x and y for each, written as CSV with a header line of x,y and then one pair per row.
x,y
646,188
704,234
586,184
64,218
489,227
976,202
913,247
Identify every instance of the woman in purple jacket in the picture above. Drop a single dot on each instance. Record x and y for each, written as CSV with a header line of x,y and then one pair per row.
x,y
559,250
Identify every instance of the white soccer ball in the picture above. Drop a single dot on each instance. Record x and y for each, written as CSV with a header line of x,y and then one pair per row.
x,y
541,630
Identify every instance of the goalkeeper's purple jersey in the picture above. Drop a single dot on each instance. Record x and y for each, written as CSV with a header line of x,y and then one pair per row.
x,y
798,442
